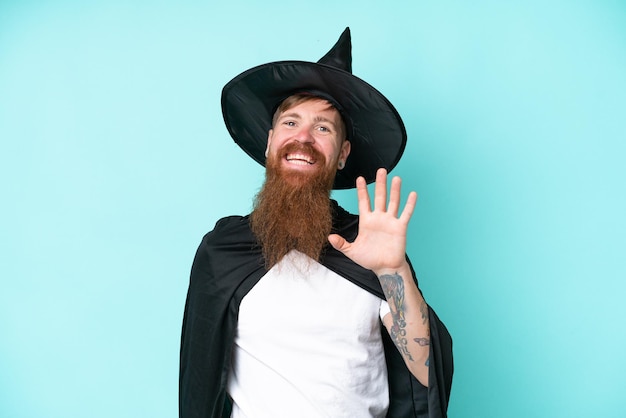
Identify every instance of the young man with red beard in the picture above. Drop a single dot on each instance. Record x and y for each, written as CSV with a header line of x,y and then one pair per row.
x,y
301,309
304,149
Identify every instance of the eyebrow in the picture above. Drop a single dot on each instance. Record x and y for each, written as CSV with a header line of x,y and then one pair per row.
x,y
323,119
290,115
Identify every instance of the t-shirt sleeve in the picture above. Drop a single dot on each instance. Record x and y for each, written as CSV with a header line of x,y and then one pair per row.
x,y
384,309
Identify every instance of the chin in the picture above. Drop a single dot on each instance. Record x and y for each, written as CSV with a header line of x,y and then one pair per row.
x,y
297,177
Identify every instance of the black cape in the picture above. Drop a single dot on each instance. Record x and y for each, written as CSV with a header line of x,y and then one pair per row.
x,y
227,265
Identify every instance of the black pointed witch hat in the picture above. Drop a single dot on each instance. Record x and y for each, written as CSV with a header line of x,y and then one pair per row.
x,y
373,125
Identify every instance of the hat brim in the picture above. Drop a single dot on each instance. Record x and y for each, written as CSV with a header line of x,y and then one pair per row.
x,y
376,131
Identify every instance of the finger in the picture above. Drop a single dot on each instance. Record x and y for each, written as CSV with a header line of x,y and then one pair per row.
x,y
380,193
394,196
409,207
363,196
338,242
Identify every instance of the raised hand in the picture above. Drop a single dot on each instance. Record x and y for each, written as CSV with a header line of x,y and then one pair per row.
x,y
381,242
380,246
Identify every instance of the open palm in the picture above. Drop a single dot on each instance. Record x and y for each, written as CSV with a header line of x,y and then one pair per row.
x,y
381,242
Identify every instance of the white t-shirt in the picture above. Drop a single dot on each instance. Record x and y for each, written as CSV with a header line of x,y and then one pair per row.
x,y
308,344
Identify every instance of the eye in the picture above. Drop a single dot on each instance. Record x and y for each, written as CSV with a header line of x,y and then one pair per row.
x,y
289,123
323,128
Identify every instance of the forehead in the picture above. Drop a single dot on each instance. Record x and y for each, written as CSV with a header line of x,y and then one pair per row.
x,y
312,105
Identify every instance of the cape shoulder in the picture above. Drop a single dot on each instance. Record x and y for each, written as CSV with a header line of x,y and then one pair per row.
x,y
231,229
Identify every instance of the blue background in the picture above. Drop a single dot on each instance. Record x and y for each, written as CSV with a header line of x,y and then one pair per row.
x,y
114,161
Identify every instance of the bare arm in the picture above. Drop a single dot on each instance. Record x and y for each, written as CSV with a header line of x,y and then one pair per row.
x,y
407,322
380,246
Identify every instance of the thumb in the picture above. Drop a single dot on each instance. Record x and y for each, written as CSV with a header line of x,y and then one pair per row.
x,y
338,242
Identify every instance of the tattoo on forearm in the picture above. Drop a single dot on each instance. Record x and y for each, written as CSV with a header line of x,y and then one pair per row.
x,y
424,312
393,286
422,341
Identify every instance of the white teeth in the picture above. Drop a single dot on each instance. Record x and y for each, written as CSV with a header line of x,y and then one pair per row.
x,y
298,162
299,159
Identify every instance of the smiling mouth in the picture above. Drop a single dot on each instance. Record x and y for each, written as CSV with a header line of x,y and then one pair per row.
x,y
301,159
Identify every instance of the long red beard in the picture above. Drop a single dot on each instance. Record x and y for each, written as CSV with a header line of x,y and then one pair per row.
x,y
292,211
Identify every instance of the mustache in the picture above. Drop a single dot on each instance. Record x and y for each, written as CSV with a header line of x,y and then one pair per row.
x,y
302,147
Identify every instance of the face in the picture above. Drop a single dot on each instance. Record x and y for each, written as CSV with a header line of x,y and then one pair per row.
x,y
306,138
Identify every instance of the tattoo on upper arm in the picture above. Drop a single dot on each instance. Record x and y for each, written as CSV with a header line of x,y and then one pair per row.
x,y
393,286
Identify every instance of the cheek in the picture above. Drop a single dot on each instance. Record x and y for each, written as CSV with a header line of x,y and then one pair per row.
x,y
275,144
336,151
332,155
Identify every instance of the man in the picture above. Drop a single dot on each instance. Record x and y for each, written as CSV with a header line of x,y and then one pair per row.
x,y
285,306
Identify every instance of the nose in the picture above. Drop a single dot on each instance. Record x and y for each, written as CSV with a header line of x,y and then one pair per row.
x,y
304,135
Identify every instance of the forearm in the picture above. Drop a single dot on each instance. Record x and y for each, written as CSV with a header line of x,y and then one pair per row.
x,y
407,322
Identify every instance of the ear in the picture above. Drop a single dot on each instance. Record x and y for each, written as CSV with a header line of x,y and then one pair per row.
x,y
345,150
269,140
